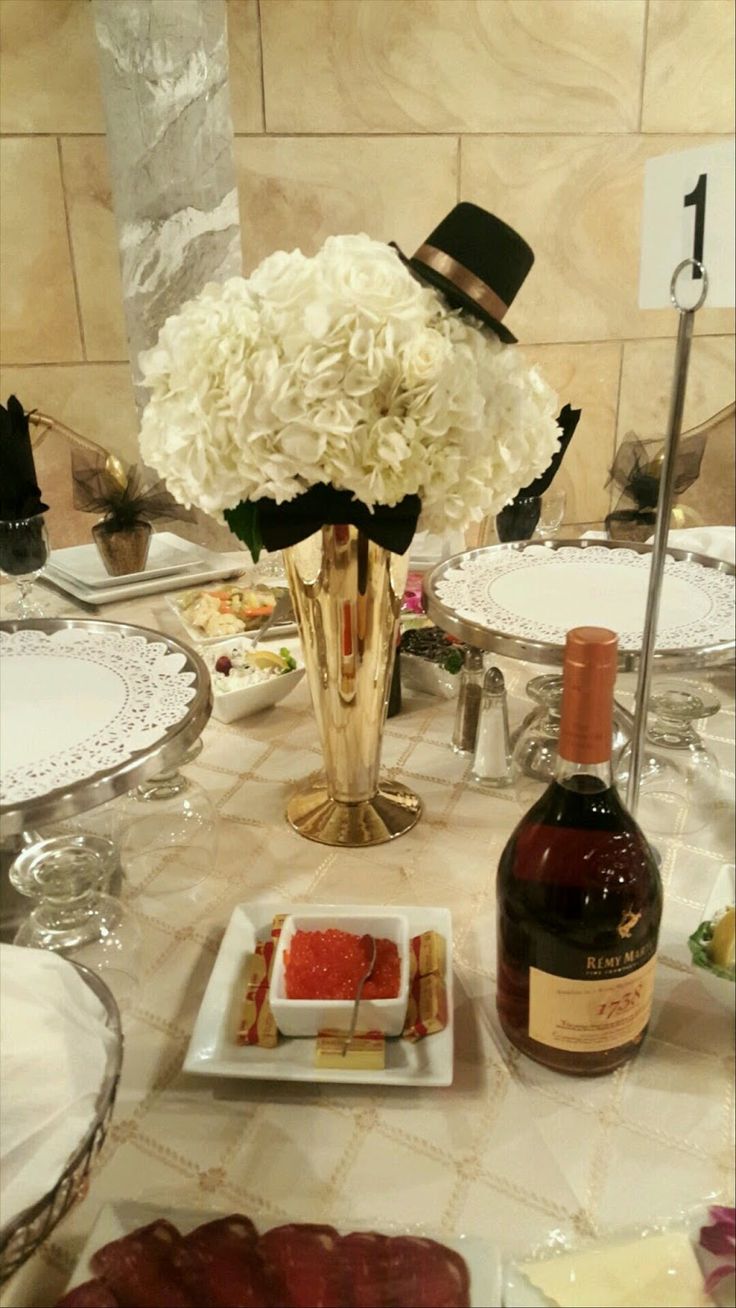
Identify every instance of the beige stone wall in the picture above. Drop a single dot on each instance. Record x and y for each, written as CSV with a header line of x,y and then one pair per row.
x,y
378,115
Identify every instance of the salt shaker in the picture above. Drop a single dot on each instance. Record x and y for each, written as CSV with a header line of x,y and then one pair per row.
x,y
468,704
492,759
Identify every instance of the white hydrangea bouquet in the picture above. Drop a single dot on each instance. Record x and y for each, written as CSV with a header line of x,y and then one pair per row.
x,y
339,388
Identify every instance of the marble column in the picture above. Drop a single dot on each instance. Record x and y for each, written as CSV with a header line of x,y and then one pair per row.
x,y
164,70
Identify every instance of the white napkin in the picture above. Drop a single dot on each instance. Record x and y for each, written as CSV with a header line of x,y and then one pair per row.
x,y
54,1045
716,542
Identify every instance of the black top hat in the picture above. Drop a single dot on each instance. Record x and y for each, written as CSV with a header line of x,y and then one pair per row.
x,y
476,261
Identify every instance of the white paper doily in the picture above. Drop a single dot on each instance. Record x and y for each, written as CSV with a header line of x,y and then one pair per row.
x,y
74,703
537,594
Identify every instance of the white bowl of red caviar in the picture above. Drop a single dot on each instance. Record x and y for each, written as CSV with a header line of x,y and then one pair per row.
x,y
319,961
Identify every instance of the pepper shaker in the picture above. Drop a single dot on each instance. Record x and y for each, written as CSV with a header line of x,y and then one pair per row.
x,y
492,759
468,704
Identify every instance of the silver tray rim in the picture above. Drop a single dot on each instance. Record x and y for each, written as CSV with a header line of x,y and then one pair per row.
x,y
67,1185
549,653
107,784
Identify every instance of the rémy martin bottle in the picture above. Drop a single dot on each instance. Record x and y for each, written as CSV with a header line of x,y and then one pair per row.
x,y
579,893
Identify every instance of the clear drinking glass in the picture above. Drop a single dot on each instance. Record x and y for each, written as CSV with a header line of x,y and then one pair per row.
x,y
24,552
680,783
167,833
551,513
74,917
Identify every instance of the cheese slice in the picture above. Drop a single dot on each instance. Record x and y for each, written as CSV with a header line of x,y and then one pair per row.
x,y
657,1271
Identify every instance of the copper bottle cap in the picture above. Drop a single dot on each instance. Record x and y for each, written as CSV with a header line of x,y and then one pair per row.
x,y
591,659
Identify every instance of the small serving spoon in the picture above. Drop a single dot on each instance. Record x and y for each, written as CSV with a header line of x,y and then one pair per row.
x,y
354,1020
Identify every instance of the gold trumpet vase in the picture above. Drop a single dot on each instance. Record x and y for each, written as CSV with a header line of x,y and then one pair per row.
x,y
347,593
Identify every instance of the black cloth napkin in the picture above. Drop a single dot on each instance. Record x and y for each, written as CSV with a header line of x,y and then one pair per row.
x,y
518,520
20,496
277,526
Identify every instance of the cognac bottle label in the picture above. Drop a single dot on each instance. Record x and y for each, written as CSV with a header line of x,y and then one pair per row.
x,y
590,1016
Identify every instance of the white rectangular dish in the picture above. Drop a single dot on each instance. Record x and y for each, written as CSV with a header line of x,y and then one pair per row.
x,y
211,567
168,554
213,1051
244,700
307,1017
116,1220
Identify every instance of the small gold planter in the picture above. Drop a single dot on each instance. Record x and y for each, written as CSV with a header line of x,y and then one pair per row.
x,y
347,593
123,551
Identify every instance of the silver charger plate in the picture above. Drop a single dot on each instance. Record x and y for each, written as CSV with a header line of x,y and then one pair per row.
x,y
521,598
89,709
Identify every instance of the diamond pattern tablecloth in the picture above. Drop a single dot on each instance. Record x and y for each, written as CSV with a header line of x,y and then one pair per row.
x,y
511,1151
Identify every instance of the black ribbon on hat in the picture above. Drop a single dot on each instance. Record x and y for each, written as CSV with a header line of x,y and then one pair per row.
x,y
20,496
518,520
277,526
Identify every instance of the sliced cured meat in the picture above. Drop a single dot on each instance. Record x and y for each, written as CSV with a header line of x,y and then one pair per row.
x,y
305,1266
425,1274
221,1266
140,1270
365,1255
93,1294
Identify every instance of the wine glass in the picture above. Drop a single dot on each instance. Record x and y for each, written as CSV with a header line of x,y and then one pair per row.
x,y
551,513
24,551
167,832
74,916
680,779
535,741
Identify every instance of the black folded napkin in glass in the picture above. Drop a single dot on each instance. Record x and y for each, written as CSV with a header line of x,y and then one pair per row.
x,y
518,520
20,496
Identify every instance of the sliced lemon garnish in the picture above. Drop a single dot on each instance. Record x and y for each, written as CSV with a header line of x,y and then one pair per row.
x,y
722,948
264,658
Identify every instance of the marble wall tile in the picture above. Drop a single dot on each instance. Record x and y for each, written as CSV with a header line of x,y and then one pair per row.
x,y
468,65
646,379
39,313
577,200
689,77
297,191
95,399
246,101
587,378
50,81
95,243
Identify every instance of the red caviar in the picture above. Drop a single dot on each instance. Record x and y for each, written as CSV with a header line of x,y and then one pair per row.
x,y
329,965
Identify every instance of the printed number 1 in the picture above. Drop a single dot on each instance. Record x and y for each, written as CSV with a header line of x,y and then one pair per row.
x,y
697,197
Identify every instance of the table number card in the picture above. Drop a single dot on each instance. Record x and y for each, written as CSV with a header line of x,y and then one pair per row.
x,y
688,213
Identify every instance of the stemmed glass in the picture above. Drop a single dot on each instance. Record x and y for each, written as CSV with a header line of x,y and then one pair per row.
x,y
167,832
680,779
75,917
24,552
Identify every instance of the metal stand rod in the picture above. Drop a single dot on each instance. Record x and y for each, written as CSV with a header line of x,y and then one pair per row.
x,y
664,508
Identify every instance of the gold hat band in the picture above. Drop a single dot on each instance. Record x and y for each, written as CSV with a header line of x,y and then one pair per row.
x,y
463,279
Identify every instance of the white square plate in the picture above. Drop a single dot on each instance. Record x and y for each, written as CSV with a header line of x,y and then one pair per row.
x,y
213,1052
167,554
118,1219
210,567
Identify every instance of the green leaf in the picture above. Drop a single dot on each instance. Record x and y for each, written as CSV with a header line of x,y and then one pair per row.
x,y
243,523
288,658
699,943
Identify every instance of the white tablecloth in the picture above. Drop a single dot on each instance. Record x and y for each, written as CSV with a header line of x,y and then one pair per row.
x,y
511,1151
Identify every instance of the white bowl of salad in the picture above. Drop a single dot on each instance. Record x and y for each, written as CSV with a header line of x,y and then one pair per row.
x,y
713,945
245,681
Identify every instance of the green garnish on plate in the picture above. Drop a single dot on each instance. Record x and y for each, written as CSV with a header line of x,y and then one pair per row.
x,y
699,943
